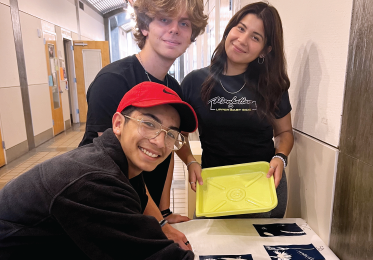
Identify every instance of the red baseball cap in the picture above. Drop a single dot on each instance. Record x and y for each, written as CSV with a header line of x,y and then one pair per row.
x,y
149,94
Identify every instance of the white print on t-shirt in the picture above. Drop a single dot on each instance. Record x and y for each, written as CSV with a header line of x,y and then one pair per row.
x,y
242,104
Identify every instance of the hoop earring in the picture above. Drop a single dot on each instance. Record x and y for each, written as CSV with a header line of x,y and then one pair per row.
x,y
259,60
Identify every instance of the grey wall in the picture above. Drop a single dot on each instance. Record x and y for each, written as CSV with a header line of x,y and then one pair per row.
x,y
352,225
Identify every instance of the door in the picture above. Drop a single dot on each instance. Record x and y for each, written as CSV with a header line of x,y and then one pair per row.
x,y
2,156
89,57
54,84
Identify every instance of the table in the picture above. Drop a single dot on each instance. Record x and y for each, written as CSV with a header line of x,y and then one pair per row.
x,y
239,237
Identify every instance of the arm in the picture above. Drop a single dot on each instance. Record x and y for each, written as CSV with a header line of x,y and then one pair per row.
x,y
171,233
284,140
194,169
102,216
165,199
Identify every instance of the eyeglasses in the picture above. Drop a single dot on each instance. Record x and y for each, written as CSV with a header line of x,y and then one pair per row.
x,y
150,129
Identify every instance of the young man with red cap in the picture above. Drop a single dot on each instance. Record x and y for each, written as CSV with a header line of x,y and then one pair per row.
x,y
88,203
164,29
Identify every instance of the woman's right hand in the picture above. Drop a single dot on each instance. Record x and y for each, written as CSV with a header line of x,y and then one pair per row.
x,y
194,171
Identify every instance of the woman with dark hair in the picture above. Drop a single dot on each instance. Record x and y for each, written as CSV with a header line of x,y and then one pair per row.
x,y
242,100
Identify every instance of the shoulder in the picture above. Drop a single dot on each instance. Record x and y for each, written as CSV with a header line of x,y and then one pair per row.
x,y
119,66
197,75
194,79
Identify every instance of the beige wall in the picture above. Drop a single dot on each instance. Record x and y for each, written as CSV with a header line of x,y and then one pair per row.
x,y
311,179
6,2
58,12
91,24
11,111
316,43
8,62
37,75
12,118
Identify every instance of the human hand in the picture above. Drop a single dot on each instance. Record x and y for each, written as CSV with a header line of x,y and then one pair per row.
x,y
194,171
176,218
177,236
276,167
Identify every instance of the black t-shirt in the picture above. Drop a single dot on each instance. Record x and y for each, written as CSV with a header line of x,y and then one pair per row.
x,y
230,129
103,97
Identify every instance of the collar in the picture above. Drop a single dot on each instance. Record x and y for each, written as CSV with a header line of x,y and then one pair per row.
x,y
111,145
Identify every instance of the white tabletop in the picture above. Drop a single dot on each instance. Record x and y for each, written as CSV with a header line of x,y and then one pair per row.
x,y
239,237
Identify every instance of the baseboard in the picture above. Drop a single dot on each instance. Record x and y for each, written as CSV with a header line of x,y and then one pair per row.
x,y
67,124
43,137
16,151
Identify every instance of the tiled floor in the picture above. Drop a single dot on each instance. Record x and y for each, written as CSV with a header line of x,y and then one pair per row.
x,y
69,140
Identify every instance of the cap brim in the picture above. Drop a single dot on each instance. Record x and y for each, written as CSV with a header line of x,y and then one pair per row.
x,y
188,118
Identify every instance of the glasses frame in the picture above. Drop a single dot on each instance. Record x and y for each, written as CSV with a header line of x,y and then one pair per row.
x,y
139,121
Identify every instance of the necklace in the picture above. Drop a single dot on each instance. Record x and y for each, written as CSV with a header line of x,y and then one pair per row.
x,y
232,92
147,72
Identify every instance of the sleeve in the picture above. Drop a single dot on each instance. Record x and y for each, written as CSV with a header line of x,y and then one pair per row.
x,y
101,214
103,97
186,87
284,106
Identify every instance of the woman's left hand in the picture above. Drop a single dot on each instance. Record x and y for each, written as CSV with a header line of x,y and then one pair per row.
x,y
176,218
276,167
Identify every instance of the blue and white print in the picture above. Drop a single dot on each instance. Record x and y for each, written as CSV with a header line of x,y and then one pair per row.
x,y
279,229
294,252
225,257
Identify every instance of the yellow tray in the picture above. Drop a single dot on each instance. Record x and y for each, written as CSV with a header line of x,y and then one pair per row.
x,y
235,189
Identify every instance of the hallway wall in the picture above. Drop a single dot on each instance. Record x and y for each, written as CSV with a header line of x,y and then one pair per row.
x,y
11,112
59,14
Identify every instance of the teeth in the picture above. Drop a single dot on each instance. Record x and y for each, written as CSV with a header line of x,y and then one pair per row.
x,y
148,153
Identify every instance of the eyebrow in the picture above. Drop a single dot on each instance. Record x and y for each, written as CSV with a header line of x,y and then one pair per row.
x,y
155,118
254,32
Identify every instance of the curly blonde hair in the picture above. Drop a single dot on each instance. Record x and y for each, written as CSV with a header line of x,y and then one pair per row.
x,y
146,11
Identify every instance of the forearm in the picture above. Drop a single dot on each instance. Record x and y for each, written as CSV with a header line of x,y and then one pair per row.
x,y
165,198
151,208
284,142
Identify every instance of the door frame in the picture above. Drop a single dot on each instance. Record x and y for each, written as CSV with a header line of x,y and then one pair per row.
x,y
2,151
70,70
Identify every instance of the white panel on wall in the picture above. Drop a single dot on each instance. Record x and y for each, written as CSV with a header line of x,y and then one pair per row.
x,y
316,45
83,38
92,64
40,110
90,27
93,13
12,118
58,12
8,61
311,180
75,36
5,2
34,49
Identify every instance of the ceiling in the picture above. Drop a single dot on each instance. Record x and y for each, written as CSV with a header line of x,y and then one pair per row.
x,y
105,6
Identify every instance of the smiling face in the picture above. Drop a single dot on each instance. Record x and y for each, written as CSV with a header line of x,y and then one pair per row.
x,y
168,37
145,154
244,43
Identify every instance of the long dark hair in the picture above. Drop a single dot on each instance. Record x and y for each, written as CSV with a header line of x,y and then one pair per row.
x,y
269,79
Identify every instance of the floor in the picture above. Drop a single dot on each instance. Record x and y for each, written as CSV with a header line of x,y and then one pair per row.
x,y
69,140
